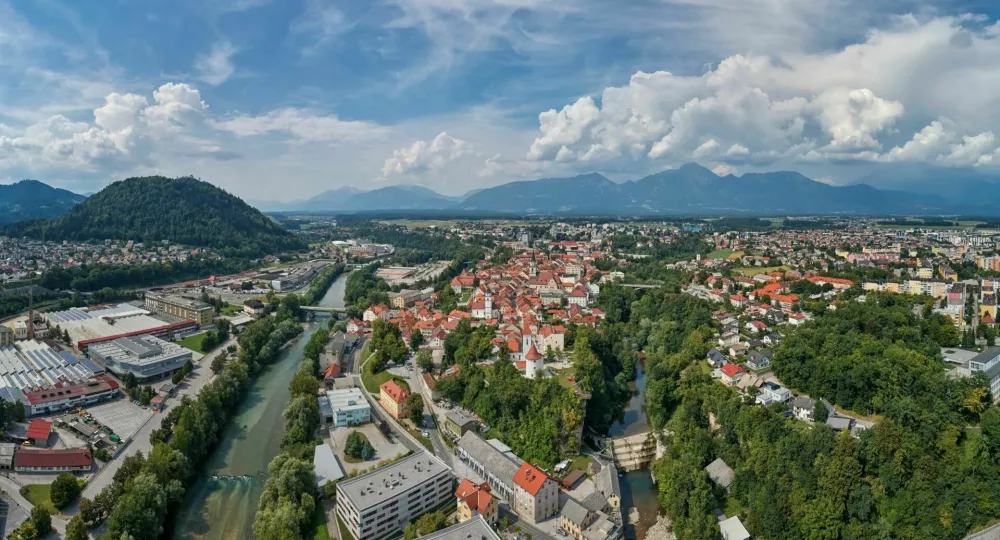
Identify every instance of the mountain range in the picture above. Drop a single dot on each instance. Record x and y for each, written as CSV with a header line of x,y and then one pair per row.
x,y
690,189
29,199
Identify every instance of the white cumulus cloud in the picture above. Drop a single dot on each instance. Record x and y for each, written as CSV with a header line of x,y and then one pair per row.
x,y
842,105
216,66
424,156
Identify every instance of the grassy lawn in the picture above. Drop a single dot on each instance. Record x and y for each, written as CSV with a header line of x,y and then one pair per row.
x,y
38,495
582,463
232,310
423,440
345,533
723,254
194,342
320,531
562,376
754,270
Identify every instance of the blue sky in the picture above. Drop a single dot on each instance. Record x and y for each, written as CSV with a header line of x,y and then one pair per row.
x,y
283,99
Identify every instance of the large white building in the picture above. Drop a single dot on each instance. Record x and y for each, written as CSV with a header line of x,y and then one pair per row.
x,y
384,501
345,407
146,357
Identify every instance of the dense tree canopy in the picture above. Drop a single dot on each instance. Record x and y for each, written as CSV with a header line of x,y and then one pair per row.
x,y
182,210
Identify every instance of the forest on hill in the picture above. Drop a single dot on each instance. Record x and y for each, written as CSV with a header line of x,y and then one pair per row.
x,y
179,210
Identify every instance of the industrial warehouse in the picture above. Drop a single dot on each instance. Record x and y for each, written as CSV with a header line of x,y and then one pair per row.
x,y
45,380
146,357
86,327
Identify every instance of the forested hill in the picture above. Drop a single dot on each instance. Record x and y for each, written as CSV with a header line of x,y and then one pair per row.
x,y
181,210
29,199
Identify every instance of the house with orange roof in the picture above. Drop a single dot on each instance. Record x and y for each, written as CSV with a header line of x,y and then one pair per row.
x,y
476,499
536,495
393,398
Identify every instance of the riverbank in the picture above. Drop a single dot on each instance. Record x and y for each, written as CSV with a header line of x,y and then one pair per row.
x,y
222,504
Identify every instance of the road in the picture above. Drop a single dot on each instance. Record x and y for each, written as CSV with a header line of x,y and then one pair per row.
x,y
191,386
13,490
440,448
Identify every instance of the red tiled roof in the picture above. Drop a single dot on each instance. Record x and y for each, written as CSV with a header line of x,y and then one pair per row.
x,y
532,353
730,370
332,371
530,478
72,457
394,391
39,429
476,496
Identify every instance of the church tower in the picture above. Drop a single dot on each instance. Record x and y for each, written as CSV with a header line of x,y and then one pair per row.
x,y
533,363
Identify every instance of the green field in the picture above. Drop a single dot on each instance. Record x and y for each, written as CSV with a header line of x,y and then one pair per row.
x,y
722,254
38,495
231,310
754,270
320,531
194,342
373,381
419,223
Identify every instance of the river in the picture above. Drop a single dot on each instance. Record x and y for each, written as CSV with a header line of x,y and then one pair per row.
x,y
637,487
222,503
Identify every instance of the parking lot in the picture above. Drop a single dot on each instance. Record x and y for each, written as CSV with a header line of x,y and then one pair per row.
x,y
384,447
122,416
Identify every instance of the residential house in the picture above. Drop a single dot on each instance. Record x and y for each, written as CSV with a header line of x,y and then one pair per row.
x,y
536,495
771,392
458,422
802,408
759,359
731,373
393,398
476,499
716,358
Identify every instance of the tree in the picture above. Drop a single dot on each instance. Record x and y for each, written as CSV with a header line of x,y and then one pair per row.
x,y
416,340
76,529
415,409
89,512
42,520
425,359
426,524
358,447
64,490
820,412
218,363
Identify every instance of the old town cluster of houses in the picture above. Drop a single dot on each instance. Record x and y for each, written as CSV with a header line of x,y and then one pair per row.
x,y
530,300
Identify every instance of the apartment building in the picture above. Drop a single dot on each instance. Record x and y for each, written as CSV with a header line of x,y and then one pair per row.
x,y
382,502
178,306
393,398
536,495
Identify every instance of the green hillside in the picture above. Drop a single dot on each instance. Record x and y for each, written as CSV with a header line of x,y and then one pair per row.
x,y
181,210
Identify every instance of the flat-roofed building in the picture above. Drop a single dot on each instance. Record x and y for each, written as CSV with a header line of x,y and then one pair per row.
x,y
348,407
475,528
382,502
146,357
181,307
7,455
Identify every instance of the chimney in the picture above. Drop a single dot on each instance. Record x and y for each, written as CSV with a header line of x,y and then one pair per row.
x,y
31,312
